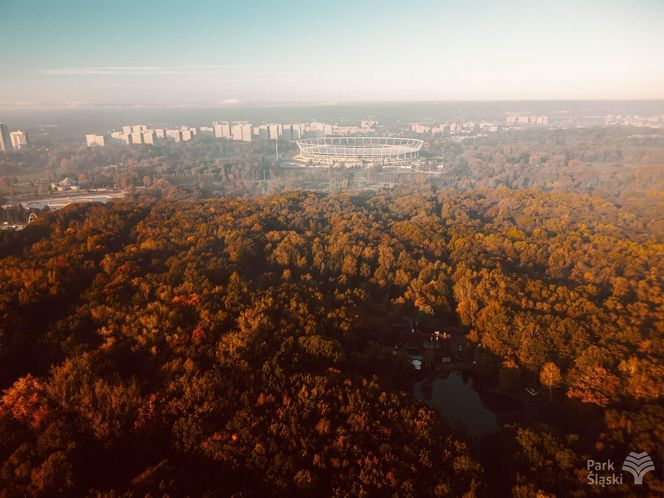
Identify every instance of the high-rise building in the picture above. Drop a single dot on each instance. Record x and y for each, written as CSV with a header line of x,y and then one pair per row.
x,y
345,130
420,128
222,129
174,134
149,137
274,131
92,140
489,126
187,134
136,137
298,131
129,129
318,129
5,139
287,132
261,132
122,136
19,139
271,131
242,132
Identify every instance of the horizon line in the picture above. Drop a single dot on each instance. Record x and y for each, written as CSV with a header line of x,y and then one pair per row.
x,y
258,103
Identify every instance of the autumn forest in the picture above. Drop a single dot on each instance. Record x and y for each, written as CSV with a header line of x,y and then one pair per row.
x,y
246,348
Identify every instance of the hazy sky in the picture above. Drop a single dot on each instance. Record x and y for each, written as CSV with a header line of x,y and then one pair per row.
x,y
68,52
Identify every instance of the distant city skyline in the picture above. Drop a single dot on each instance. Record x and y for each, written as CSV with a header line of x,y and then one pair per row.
x,y
77,54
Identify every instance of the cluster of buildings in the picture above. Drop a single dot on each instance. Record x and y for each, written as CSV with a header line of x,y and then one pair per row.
x,y
525,119
242,131
12,140
656,121
512,119
454,128
142,135
427,349
246,132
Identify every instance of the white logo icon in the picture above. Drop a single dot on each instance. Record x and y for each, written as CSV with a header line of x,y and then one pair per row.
x,y
638,464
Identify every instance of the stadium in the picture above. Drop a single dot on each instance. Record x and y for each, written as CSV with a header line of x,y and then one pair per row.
x,y
358,151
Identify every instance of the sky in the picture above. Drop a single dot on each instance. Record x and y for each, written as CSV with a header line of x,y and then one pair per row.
x,y
120,53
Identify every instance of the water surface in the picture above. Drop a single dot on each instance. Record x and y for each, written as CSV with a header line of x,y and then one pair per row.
x,y
456,399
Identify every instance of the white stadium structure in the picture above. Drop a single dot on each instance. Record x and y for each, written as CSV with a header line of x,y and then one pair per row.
x,y
358,151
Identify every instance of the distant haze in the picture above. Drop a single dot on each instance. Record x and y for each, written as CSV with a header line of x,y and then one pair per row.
x,y
208,53
102,119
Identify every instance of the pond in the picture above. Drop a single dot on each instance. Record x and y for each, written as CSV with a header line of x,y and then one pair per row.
x,y
455,398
